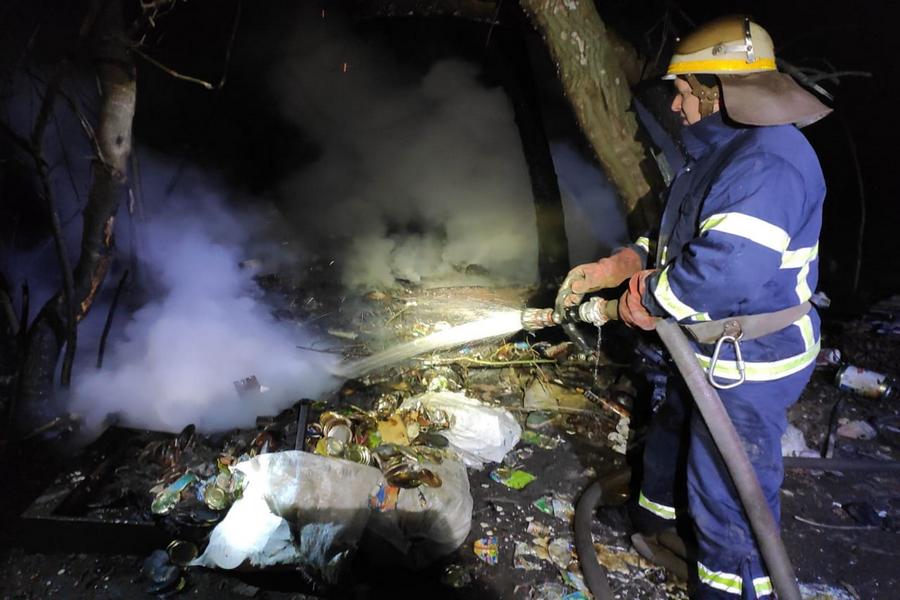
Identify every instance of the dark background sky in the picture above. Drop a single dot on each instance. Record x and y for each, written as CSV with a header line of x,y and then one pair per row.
x,y
240,131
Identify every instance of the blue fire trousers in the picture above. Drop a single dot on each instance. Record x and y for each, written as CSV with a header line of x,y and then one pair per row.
x,y
678,444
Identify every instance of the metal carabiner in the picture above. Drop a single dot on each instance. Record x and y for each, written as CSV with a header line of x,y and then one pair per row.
x,y
732,333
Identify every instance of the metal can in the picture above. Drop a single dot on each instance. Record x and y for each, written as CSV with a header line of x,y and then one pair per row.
x,y
335,426
863,382
215,497
182,552
358,454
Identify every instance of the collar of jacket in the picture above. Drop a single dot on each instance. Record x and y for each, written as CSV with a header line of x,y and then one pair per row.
x,y
706,134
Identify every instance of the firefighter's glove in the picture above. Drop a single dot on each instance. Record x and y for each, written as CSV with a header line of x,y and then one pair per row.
x,y
603,274
631,309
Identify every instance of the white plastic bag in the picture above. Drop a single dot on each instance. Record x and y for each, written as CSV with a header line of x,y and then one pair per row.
x,y
426,523
297,508
311,512
480,433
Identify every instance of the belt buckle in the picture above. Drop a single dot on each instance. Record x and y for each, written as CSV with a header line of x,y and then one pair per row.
x,y
731,333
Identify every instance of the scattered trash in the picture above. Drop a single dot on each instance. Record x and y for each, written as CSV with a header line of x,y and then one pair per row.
x,y
619,437
563,509
164,576
536,529
544,504
885,316
561,552
393,431
456,576
575,580
248,386
549,591
525,557
541,548
863,382
610,405
542,395
865,514
182,552
384,498
856,430
828,358
821,591
487,550
169,497
516,457
347,335
793,443
539,420
512,478
540,440
889,429
559,507
820,299
619,560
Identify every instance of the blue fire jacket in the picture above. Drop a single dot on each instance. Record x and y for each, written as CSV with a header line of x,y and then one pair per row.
x,y
739,236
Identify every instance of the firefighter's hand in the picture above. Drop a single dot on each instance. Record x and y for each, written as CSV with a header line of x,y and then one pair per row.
x,y
584,278
631,310
603,274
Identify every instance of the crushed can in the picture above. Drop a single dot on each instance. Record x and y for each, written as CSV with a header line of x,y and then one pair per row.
x,y
863,382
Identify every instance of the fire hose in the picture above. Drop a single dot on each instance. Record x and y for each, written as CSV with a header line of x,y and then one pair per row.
x,y
598,311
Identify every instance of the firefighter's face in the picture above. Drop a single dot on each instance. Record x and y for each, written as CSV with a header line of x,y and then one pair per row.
x,y
686,103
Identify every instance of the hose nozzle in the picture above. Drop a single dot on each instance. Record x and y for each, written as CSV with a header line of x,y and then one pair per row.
x,y
595,311
538,318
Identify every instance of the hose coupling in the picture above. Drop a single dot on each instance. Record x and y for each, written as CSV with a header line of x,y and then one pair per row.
x,y
594,311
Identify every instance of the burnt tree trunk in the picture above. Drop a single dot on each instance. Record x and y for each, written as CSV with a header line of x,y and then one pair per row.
x,y
116,77
590,63
514,68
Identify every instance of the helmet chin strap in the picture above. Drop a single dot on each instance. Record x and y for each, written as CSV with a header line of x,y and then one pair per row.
x,y
708,95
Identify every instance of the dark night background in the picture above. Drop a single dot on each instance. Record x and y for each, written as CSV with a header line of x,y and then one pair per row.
x,y
241,134
238,130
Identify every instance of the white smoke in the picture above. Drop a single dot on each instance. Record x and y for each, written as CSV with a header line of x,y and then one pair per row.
x,y
419,177
176,358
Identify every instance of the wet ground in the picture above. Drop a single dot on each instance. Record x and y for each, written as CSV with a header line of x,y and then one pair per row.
x,y
841,529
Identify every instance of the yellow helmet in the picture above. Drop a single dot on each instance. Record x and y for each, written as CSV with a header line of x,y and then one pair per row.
x,y
740,54
732,45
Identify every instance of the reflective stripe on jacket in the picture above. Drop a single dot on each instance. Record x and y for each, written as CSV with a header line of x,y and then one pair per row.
x,y
739,236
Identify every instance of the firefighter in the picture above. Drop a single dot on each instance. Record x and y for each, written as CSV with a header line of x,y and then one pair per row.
x,y
738,242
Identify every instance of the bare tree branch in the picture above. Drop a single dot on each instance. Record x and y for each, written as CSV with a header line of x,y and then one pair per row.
x,y
234,28
34,148
136,48
109,319
204,84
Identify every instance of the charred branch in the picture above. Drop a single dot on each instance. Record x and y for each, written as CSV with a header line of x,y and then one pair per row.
x,y
109,319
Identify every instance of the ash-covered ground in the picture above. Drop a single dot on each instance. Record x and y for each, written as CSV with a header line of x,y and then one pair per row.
x,y
840,527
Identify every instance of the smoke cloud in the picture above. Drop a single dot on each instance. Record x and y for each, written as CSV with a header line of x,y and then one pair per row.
x,y
419,178
176,358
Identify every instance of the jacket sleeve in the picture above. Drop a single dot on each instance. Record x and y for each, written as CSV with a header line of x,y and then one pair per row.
x,y
643,245
742,236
